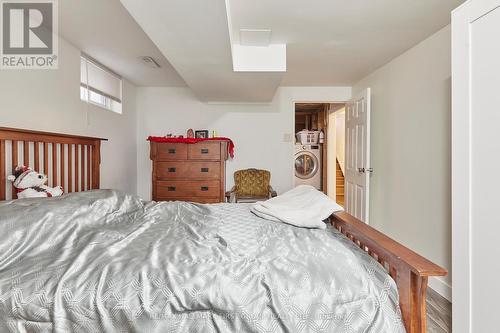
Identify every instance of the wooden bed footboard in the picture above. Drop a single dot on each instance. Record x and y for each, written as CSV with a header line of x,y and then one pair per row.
x,y
409,269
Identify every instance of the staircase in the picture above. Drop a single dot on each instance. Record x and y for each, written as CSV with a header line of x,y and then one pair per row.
x,y
339,184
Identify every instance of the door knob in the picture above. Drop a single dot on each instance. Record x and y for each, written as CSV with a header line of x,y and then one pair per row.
x,y
370,170
361,170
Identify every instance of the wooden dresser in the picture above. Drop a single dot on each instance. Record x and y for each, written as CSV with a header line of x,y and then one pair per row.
x,y
189,171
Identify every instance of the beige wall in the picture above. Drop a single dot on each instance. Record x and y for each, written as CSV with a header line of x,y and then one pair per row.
x,y
49,100
411,149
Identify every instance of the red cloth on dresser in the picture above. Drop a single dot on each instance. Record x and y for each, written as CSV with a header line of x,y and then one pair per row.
x,y
230,145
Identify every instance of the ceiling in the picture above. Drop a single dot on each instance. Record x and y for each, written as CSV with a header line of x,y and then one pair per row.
x,y
106,31
194,36
338,42
328,42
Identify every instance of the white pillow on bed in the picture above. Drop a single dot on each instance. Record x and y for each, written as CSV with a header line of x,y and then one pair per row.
x,y
303,206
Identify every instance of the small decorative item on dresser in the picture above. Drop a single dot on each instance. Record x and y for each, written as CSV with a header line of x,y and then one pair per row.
x,y
201,134
190,133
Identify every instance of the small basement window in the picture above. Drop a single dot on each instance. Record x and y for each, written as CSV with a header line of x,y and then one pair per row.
x,y
99,85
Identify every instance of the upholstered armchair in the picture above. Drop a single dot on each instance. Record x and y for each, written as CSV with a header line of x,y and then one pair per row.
x,y
251,185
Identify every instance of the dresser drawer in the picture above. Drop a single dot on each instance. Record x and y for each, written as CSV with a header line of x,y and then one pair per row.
x,y
186,188
204,151
171,151
191,170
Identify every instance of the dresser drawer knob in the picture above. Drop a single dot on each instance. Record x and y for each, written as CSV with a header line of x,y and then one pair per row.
x,y
171,150
171,188
204,188
204,169
171,169
204,151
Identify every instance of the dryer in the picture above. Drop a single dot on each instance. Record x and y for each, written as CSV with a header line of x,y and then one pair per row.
x,y
308,165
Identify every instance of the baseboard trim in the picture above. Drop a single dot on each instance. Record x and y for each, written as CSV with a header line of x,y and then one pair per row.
x,y
441,287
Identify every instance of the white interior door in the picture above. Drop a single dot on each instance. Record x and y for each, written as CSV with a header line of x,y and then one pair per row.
x,y
357,156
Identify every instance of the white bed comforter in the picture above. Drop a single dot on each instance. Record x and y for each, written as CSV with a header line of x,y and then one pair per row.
x,y
303,206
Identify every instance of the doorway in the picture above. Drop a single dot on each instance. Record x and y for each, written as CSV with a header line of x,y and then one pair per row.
x,y
336,134
319,129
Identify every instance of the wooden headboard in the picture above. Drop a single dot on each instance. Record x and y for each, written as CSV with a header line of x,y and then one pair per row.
x,y
70,161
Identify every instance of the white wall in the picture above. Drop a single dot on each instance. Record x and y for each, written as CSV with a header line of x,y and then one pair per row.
x,y
258,130
49,100
411,150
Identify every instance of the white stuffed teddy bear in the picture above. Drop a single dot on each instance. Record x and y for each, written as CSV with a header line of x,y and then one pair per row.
x,y
30,184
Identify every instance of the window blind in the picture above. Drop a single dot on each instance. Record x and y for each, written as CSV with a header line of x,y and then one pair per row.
x,y
99,79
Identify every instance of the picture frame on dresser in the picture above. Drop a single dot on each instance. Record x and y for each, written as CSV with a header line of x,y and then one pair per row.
x,y
201,134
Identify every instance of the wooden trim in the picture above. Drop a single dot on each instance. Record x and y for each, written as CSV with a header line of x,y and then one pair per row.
x,y
26,152
77,167
55,179
96,162
62,166
15,155
3,180
89,186
36,146
223,155
7,133
82,168
26,137
410,270
46,158
70,168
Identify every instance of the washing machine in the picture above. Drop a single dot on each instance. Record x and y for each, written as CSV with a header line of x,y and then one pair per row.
x,y
308,165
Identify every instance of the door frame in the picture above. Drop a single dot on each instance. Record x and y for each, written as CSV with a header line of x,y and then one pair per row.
x,y
332,192
330,147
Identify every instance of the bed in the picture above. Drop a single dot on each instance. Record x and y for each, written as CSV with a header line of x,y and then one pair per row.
x,y
102,260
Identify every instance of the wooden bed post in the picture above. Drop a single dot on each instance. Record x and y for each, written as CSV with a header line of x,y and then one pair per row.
x,y
409,270
419,309
3,176
412,295
96,162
